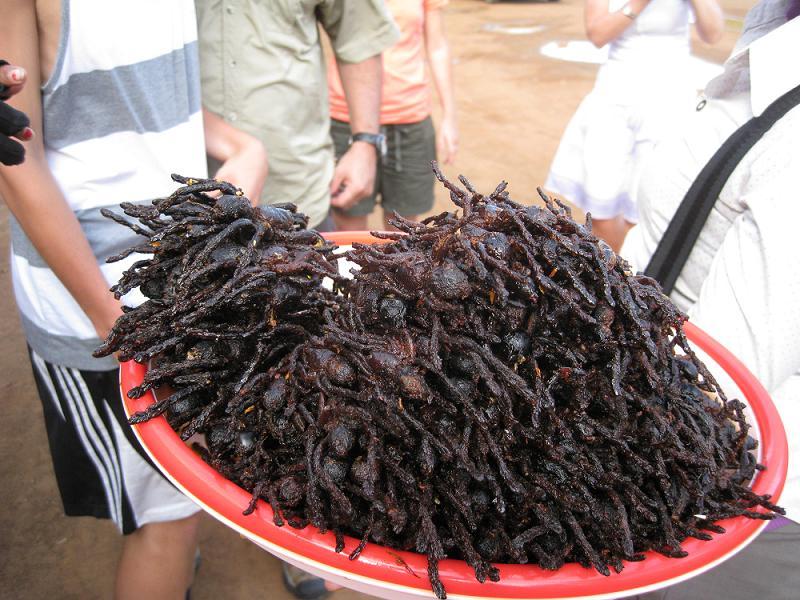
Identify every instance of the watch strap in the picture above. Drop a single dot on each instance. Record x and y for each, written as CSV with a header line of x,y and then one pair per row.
x,y
376,139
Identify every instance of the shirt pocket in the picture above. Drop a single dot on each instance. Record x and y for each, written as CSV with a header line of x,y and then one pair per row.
x,y
289,25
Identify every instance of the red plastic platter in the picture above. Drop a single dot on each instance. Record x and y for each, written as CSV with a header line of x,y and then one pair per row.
x,y
389,573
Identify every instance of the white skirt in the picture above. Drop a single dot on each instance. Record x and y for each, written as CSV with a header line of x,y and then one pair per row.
x,y
598,161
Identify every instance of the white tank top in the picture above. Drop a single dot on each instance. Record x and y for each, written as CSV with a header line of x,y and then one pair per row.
x,y
659,33
653,52
121,112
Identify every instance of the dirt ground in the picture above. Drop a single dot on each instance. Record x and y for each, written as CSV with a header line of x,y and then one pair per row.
x,y
513,106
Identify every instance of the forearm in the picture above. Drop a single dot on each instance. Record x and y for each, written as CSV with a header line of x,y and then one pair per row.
x,y
32,194
354,176
708,20
222,139
362,89
243,156
37,203
440,61
603,26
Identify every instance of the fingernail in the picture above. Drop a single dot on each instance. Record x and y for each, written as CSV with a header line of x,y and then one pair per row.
x,y
27,133
17,74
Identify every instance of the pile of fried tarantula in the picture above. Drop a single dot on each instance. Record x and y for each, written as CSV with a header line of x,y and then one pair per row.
x,y
490,384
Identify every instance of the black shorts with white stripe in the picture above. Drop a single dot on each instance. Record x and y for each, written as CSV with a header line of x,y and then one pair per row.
x,y
101,469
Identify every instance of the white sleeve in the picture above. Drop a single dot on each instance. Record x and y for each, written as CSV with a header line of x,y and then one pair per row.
x,y
750,300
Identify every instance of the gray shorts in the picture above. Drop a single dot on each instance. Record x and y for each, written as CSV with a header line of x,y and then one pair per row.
x,y
404,180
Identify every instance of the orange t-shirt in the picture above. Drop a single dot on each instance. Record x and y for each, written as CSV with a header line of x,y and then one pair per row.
x,y
406,96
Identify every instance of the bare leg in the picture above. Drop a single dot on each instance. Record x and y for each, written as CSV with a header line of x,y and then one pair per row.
x,y
345,222
157,561
612,231
388,227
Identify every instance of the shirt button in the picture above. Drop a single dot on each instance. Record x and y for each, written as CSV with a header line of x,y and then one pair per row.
x,y
233,63
229,10
232,116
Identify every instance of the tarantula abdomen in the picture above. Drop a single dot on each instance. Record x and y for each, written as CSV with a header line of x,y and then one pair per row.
x,y
516,345
450,282
497,245
340,371
290,491
229,207
275,396
392,310
335,469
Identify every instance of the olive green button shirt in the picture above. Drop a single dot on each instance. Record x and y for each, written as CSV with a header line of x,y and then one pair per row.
x,y
263,71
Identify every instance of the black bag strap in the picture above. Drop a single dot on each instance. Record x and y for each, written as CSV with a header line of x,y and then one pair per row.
x,y
683,230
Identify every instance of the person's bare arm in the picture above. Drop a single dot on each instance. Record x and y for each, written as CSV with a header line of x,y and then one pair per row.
x,y
243,157
604,26
439,59
708,20
354,176
31,193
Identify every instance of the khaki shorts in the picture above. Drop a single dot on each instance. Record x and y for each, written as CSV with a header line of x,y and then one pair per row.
x,y
404,181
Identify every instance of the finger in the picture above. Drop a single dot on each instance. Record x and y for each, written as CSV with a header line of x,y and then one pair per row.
x,y
344,199
337,183
11,152
443,153
451,152
220,175
247,188
452,146
25,135
7,91
443,149
12,79
12,121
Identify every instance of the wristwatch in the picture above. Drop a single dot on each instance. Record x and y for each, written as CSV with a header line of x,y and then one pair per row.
x,y
376,139
628,11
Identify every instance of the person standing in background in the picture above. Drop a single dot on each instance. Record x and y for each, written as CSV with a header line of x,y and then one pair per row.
x,y
113,89
638,95
404,180
741,280
263,71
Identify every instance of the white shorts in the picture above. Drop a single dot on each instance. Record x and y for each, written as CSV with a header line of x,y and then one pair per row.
x,y
101,469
